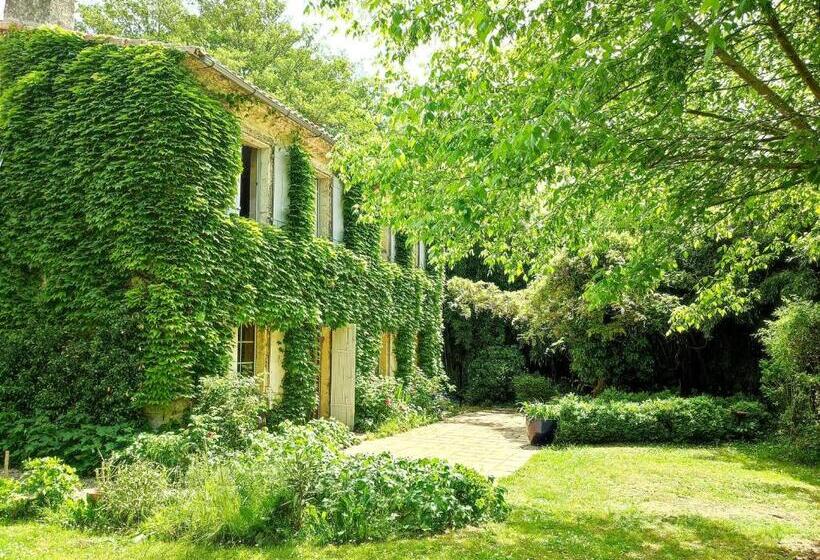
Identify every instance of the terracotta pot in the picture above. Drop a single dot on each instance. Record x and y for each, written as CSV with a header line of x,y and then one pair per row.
x,y
541,431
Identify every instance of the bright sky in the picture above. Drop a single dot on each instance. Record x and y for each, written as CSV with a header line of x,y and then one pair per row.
x,y
362,51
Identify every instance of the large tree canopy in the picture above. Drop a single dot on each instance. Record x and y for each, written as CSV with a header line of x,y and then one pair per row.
x,y
548,126
254,39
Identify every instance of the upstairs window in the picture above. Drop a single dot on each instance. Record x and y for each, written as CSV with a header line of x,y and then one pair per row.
x,y
245,204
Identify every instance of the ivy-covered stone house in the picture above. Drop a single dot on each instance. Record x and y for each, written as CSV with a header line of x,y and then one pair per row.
x,y
161,219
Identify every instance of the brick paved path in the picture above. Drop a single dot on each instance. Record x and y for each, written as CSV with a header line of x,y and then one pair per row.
x,y
494,442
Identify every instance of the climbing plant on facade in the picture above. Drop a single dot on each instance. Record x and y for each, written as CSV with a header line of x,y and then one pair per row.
x,y
117,171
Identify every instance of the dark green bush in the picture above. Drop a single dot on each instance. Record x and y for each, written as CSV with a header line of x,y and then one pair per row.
x,y
533,388
661,420
376,497
490,374
73,437
791,374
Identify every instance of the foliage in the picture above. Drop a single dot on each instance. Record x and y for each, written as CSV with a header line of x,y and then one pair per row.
x,y
476,315
74,437
255,39
296,482
376,401
46,483
55,370
329,432
653,420
532,388
611,344
791,373
234,500
130,492
490,374
376,497
9,503
171,450
738,500
549,126
183,278
228,410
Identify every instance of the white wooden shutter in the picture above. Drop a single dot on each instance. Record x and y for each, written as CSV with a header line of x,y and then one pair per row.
x,y
338,213
281,185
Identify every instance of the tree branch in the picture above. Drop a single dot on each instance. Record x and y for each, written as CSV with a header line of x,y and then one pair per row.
x,y
746,75
783,40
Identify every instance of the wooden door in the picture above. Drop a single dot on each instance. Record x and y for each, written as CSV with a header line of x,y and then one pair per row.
x,y
325,372
343,382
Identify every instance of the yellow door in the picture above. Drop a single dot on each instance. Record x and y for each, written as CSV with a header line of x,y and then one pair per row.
x,y
325,346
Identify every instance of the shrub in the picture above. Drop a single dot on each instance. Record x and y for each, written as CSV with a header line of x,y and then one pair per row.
x,y
376,497
528,387
227,412
661,420
8,497
376,400
171,450
226,417
791,373
46,483
490,373
237,500
296,482
637,396
131,492
73,437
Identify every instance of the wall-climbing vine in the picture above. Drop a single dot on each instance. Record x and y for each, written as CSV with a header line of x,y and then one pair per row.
x,y
116,171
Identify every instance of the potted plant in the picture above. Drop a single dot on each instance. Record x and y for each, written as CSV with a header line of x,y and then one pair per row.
x,y
541,426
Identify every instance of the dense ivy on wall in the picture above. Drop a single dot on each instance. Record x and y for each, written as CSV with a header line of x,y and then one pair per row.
x,y
117,171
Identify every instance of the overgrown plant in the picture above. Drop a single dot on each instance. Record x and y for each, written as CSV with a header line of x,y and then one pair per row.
x,y
791,374
92,229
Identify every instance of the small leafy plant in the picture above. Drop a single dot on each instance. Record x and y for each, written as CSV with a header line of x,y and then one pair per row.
x,y
46,483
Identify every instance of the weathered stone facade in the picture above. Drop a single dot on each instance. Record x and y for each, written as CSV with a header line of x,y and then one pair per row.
x,y
56,12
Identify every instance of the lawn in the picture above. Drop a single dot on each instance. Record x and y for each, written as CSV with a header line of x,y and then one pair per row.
x,y
728,502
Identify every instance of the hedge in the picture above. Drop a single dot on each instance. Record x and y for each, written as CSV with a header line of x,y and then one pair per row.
x,y
653,420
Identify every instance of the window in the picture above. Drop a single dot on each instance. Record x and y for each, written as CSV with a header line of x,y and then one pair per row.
x,y
246,189
246,349
324,208
388,244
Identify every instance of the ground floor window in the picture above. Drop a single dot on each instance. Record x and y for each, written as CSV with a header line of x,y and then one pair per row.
x,y
246,349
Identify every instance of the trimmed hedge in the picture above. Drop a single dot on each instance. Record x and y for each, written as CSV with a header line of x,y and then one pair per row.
x,y
653,420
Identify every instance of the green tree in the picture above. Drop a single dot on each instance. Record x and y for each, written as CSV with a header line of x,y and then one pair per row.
x,y
547,127
253,38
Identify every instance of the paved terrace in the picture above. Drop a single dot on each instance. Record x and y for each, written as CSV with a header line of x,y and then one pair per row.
x,y
493,442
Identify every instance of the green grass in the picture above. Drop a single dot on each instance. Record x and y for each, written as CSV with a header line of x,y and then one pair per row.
x,y
728,502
